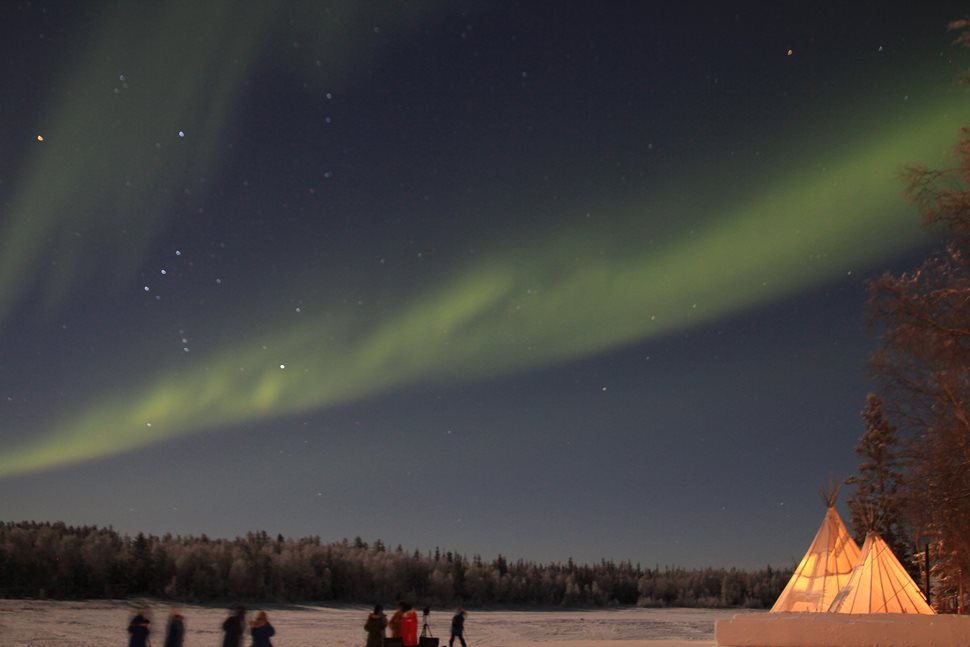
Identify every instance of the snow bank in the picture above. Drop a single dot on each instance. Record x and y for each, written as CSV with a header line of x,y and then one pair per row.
x,y
842,630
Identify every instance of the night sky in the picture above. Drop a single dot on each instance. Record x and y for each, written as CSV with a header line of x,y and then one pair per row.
x,y
545,279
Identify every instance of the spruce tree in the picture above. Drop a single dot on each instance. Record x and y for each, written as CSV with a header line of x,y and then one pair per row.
x,y
877,504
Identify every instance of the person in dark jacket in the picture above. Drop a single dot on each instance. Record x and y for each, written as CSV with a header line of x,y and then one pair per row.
x,y
458,627
138,629
175,629
376,622
261,630
233,628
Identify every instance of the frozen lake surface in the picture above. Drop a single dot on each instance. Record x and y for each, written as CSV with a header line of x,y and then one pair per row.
x,y
30,623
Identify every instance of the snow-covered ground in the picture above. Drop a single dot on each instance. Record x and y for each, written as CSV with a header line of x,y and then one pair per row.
x,y
29,623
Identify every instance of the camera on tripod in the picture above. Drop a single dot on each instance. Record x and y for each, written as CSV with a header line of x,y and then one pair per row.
x,y
427,638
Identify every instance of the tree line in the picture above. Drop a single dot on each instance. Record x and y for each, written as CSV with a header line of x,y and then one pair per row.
x,y
54,560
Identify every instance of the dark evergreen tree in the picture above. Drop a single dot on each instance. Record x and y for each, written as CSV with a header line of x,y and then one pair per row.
x,y
877,504
140,565
924,364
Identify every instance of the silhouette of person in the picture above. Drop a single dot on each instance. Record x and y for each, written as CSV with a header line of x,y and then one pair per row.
x,y
376,622
233,628
458,627
261,630
175,629
395,622
138,629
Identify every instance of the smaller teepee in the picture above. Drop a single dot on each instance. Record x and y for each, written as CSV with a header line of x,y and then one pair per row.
x,y
824,569
879,584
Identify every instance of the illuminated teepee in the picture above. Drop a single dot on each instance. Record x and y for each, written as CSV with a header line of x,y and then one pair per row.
x,y
824,569
879,584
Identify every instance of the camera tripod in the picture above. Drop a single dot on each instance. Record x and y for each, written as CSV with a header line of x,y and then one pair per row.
x,y
426,629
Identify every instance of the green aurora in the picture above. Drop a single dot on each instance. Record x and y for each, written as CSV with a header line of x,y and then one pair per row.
x,y
529,304
519,305
91,188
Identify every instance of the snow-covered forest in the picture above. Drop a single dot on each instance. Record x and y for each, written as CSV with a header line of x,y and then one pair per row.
x,y
54,560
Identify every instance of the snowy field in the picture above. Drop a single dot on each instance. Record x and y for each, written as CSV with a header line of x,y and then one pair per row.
x,y
29,623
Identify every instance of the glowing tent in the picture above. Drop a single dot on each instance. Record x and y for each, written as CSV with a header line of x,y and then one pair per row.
x,y
824,569
879,584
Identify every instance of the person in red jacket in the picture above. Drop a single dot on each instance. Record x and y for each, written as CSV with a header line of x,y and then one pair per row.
x,y
409,626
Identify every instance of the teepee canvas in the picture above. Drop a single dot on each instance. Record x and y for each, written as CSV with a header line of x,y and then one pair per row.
x,y
879,584
824,569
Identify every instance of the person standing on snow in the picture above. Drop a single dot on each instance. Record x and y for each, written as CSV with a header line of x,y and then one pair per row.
x,y
175,629
395,623
138,629
261,630
233,628
376,622
409,626
458,627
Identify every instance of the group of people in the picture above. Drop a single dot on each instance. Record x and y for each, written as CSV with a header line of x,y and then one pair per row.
x,y
403,626
233,629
